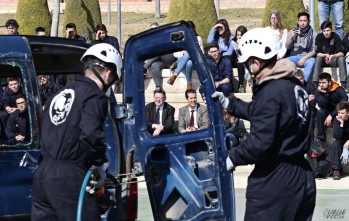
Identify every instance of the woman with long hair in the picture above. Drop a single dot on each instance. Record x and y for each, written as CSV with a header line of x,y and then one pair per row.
x,y
184,62
276,26
221,34
240,31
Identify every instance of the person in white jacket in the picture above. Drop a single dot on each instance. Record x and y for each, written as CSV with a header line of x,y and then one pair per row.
x,y
276,27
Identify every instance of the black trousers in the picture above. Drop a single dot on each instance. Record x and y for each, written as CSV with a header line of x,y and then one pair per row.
x,y
335,153
56,189
281,192
321,116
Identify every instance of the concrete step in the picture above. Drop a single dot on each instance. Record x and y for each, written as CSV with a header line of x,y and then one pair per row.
x,y
180,84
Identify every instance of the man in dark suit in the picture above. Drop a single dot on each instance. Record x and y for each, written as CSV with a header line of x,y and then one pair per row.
x,y
193,116
160,115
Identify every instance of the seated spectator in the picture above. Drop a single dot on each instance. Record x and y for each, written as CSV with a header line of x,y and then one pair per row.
x,y
160,115
329,53
184,62
156,64
221,34
277,28
301,43
310,89
220,68
12,27
327,95
194,116
103,37
9,102
71,32
40,31
47,88
240,31
341,136
60,79
17,127
231,123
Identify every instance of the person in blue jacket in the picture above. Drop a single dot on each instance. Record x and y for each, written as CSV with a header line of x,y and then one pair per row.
x,y
72,139
282,184
221,34
220,68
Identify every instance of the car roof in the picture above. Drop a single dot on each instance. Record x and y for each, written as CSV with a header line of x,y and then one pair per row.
x,y
51,55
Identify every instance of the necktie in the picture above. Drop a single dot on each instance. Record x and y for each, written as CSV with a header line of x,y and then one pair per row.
x,y
157,115
191,124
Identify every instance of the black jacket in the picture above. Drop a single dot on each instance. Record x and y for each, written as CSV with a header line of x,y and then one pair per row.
x,y
341,133
280,119
220,70
109,40
47,92
17,124
72,126
9,97
330,99
167,117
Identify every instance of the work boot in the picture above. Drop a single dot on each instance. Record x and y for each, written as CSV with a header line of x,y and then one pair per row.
x,y
336,175
189,86
172,79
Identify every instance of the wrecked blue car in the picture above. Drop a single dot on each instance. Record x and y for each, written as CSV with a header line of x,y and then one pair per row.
x,y
185,173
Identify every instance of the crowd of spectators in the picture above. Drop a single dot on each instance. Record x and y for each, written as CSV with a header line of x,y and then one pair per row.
x,y
308,50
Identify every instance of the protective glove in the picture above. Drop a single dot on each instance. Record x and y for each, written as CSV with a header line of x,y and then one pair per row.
x,y
97,181
222,100
230,165
345,156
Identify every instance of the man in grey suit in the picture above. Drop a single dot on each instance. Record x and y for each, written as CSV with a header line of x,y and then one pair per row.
x,y
160,115
193,116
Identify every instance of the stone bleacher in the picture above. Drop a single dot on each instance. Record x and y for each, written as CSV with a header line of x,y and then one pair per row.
x,y
175,94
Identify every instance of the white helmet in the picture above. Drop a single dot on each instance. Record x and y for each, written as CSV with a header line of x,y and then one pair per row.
x,y
260,43
106,53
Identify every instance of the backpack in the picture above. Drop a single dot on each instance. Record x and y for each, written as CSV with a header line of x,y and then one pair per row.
x,y
317,158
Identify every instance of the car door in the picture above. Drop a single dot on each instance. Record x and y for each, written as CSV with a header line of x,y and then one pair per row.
x,y
185,172
18,161
23,58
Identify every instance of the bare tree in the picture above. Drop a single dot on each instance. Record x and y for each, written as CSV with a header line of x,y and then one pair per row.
x,y
55,18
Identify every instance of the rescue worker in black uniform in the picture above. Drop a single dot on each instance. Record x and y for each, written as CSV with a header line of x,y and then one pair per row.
x,y
72,139
282,184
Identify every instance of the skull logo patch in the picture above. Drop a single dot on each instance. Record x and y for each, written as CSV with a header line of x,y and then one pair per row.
x,y
61,106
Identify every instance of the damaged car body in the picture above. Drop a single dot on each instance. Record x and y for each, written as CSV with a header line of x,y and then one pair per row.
x,y
185,173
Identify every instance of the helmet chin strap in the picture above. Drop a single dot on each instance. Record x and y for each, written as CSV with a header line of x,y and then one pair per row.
x,y
95,72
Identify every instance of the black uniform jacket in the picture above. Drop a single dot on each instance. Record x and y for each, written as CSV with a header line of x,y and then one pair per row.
x,y
72,124
167,117
279,116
